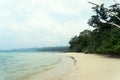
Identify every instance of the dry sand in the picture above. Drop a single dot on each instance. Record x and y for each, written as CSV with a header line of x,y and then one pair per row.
x,y
96,67
79,66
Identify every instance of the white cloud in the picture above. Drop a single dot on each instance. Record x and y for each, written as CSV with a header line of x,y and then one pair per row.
x,y
30,23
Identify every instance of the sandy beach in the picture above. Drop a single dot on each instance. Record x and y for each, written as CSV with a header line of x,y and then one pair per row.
x,y
79,66
96,67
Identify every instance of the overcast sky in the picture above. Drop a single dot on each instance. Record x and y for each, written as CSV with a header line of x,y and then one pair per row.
x,y
40,23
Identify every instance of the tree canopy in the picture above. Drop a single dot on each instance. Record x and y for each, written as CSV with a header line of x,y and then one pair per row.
x,y
105,38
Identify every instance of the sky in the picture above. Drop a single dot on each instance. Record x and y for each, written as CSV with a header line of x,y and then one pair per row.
x,y
42,23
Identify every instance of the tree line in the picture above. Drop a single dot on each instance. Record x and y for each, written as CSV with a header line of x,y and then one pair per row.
x,y
105,38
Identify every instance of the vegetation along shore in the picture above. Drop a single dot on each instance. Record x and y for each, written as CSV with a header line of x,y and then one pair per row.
x,y
105,38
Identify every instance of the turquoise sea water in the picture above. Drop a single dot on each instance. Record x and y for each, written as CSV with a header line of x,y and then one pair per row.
x,y
16,66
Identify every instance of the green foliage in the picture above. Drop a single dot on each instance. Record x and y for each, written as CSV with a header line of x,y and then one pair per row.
x,y
104,39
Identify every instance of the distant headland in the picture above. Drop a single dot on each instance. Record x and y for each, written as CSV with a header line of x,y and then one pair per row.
x,y
37,49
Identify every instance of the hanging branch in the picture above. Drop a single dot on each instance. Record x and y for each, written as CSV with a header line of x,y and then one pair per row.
x,y
114,24
105,9
115,1
109,12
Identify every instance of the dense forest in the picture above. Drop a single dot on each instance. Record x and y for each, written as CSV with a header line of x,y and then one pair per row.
x,y
105,38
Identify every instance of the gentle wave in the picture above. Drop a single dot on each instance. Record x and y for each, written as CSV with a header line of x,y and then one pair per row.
x,y
18,66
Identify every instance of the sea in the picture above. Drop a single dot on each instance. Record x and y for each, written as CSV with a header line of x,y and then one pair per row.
x,y
19,65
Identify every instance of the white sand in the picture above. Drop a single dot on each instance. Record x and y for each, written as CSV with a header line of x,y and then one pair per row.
x,y
59,72
94,67
88,67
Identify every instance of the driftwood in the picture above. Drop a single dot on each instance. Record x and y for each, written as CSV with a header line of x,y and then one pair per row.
x,y
109,12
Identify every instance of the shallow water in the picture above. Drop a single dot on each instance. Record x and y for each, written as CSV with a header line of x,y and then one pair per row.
x,y
15,66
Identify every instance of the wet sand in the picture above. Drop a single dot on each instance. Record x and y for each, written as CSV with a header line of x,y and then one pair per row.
x,y
59,72
79,66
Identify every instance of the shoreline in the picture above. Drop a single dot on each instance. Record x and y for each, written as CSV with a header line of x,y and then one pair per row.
x,y
80,66
59,72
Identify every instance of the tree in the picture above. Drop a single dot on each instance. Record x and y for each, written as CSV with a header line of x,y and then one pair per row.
x,y
105,38
104,13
